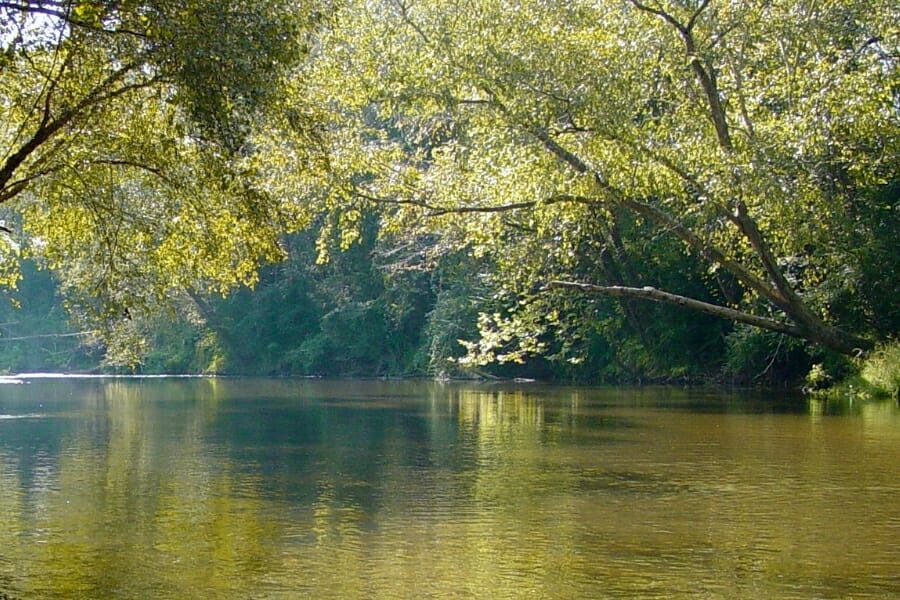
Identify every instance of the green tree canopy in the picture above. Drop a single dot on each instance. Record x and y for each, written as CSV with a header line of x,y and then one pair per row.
x,y
124,139
752,132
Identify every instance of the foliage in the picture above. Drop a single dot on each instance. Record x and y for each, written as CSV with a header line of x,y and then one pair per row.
x,y
124,136
874,376
861,283
459,292
518,176
882,369
764,357
744,131
343,317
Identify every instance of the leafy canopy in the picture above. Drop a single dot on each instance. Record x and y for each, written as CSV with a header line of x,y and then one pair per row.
x,y
148,146
124,143
745,130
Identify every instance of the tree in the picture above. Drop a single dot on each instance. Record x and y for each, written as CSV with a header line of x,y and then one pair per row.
x,y
743,130
124,141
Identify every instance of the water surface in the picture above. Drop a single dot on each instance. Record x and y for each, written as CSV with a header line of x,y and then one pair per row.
x,y
220,488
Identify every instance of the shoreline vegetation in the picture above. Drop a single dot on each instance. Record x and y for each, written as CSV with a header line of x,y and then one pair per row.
x,y
876,384
590,192
283,328
300,323
876,376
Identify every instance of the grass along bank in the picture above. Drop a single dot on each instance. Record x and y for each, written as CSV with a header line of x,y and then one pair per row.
x,y
876,376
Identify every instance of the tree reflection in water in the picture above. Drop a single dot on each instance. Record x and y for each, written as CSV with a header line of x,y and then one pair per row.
x,y
208,488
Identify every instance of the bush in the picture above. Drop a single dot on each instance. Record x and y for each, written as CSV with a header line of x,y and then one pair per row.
x,y
881,370
876,376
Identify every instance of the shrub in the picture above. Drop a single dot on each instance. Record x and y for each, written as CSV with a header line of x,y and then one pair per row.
x,y
881,370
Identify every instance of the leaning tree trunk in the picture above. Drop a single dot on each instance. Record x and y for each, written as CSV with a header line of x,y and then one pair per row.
x,y
816,332
773,286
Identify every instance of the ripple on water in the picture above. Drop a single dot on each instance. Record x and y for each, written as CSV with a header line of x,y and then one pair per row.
x,y
25,416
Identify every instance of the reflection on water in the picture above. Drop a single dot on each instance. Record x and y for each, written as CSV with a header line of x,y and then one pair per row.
x,y
304,489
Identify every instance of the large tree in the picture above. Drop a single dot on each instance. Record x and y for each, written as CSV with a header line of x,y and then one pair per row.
x,y
751,131
123,141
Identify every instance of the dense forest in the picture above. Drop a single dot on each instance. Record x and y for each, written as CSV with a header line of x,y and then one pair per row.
x,y
630,191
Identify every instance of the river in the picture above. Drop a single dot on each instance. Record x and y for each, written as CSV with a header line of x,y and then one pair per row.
x,y
268,488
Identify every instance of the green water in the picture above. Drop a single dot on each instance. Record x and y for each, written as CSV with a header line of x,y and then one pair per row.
x,y
206,488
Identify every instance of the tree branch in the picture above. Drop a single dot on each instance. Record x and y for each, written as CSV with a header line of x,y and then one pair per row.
x,y
793,305
661,14
404,11
118,162
651,293
707,78
666,220
61,12
818,332
693,20
49,126
439,211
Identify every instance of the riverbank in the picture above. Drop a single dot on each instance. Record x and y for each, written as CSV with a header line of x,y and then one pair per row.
x,y
876,375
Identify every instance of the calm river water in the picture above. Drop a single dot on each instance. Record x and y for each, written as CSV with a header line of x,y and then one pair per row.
x,y
253,488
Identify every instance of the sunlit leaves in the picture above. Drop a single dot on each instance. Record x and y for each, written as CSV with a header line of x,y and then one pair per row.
x,y
174,141
478,119
9,259
124,146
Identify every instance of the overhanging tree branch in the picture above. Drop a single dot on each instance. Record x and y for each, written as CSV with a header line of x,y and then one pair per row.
x,y
779,292
61,11
667,221
827,336
808,325
784,297
50,125
433,210
656,295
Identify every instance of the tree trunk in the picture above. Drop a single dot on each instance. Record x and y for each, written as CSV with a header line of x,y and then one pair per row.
x,y
816,332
